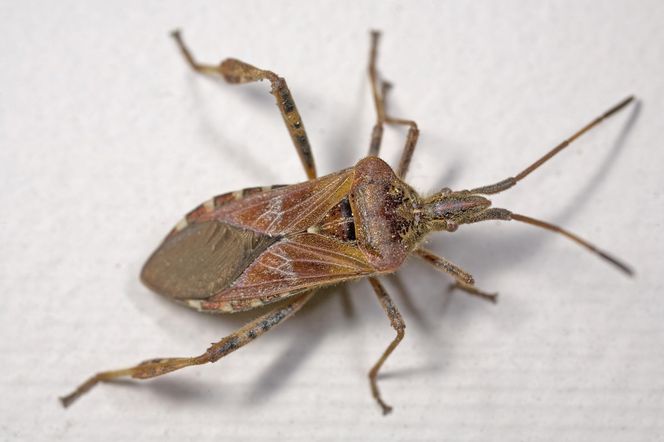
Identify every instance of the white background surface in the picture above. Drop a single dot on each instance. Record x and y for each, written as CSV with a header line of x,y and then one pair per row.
x,y
107,139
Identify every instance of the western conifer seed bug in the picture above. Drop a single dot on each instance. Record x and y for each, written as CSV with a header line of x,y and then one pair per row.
x,y
258,246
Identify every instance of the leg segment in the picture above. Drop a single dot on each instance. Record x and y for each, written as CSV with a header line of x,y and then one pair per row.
x,y
463,280
379,94
157,367
397,324
409,147
236,71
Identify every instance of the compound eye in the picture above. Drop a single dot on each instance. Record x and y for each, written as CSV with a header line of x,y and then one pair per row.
x,y
451,226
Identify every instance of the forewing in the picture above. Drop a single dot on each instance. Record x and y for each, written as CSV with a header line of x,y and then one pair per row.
x,y
222,249
202,259
285,210
289,266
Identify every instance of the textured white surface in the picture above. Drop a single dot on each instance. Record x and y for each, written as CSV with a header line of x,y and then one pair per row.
x,y
107,139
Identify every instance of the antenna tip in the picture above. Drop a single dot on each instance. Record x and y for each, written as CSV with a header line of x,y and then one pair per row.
x,y
628,100
618,107
620,265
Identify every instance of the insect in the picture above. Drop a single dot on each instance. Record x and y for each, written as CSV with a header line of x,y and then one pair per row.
x,y
260,246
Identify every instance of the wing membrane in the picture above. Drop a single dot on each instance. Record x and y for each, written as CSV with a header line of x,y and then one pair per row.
x,y
202,259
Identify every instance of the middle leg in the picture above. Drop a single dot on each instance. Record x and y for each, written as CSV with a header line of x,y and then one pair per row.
x,y
379,94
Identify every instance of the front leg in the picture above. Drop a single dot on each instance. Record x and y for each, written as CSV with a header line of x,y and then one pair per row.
x,y
463,280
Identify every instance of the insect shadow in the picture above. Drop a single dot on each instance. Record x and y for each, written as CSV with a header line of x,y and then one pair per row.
x,y
339,147
181,324
231,151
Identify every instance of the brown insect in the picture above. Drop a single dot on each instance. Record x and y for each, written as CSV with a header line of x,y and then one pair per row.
x,y
259,246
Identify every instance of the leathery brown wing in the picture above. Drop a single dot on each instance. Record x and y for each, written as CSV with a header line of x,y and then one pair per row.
x,y
249,248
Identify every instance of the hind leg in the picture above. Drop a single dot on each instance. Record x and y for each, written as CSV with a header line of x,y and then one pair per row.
x,y
236,71
157,367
